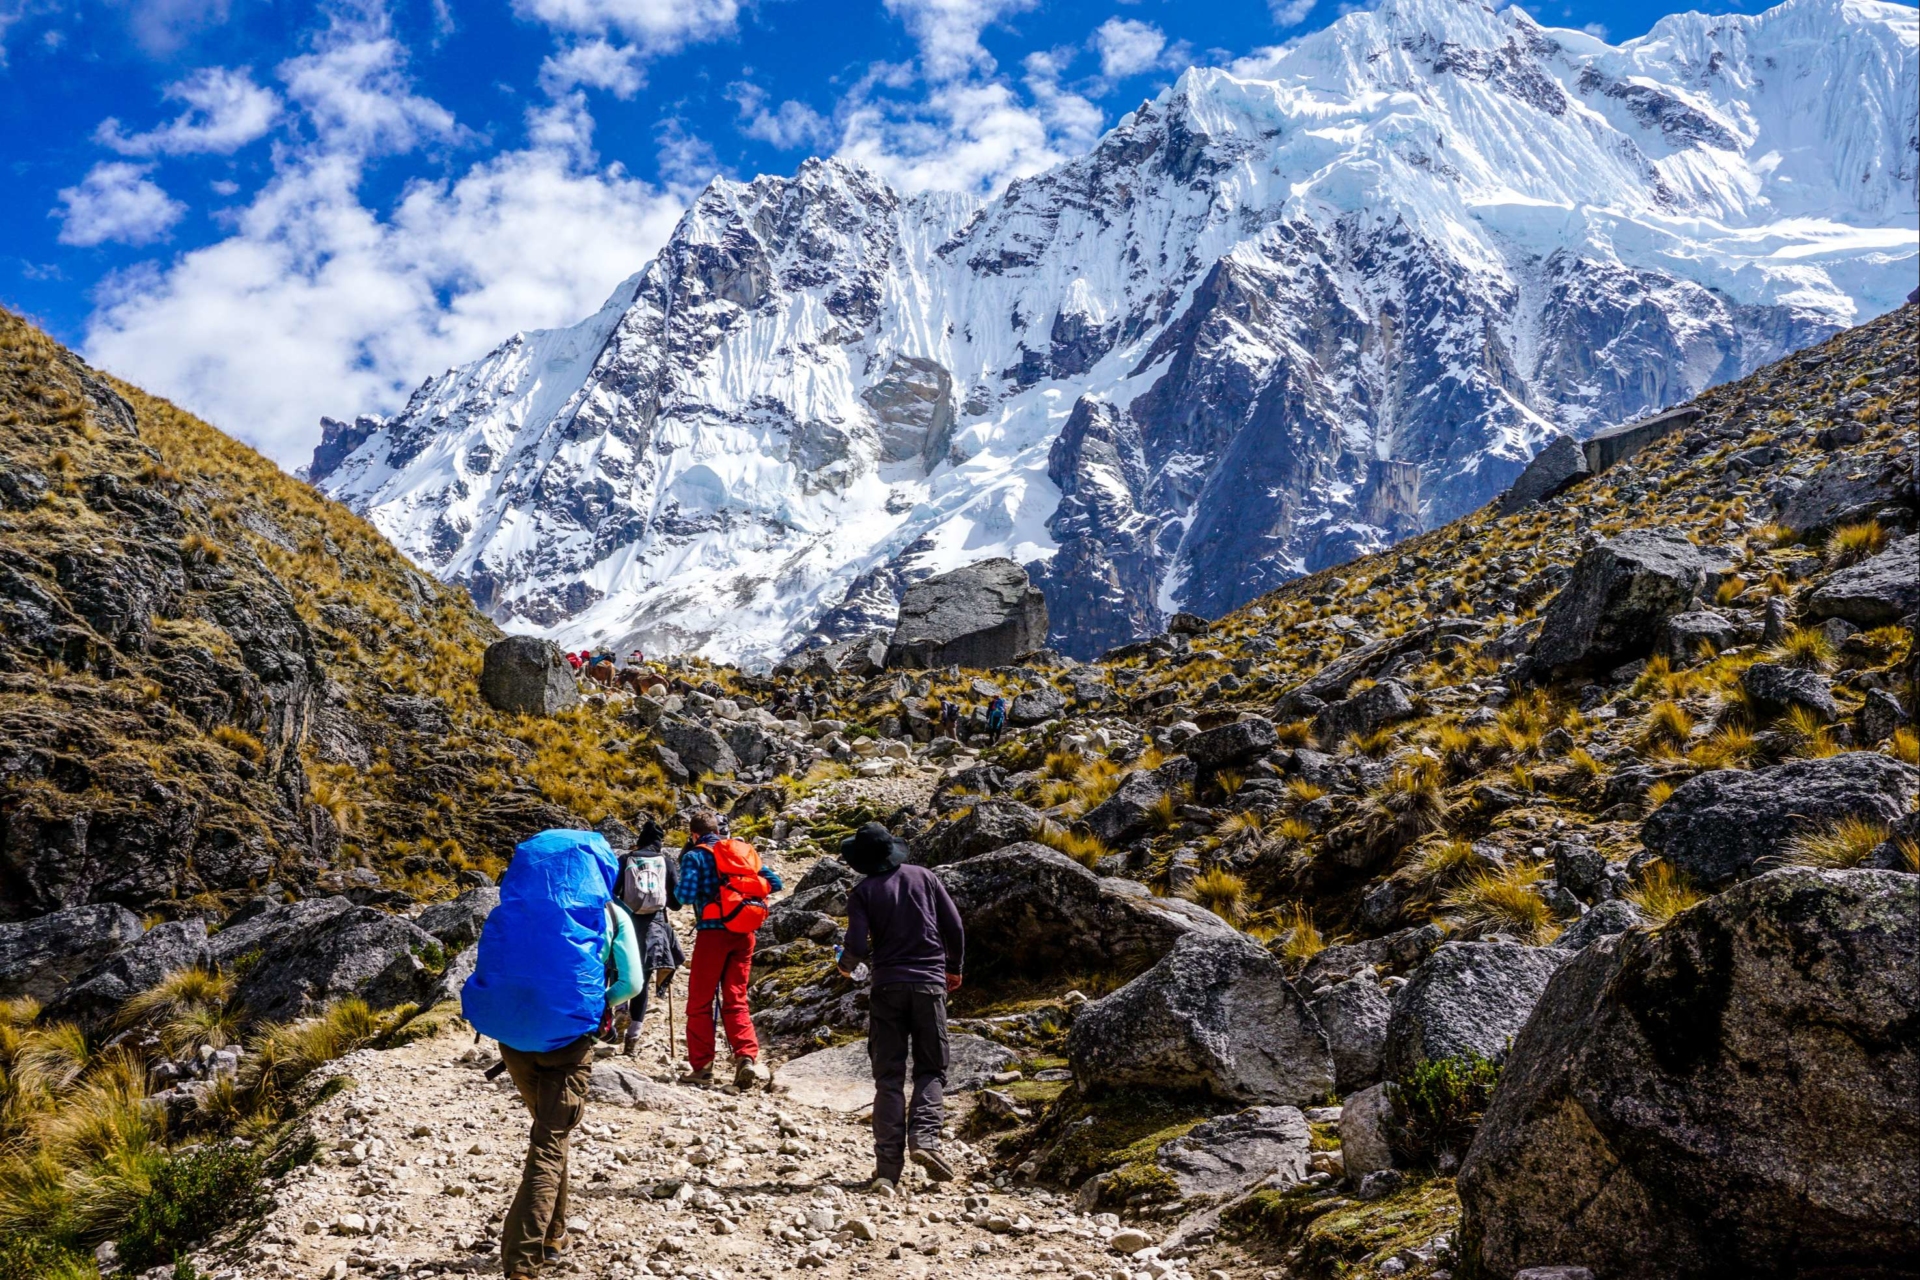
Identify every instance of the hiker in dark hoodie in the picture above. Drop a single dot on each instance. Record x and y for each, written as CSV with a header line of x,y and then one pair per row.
x,y
902,924
648,885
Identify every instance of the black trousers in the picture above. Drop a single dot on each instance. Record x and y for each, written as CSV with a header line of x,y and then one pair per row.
x,y
906,1021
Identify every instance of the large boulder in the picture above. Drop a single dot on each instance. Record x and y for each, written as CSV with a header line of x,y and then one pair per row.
x,y
1621,596
1128,811
1686,632
1732,1095
1036,706
356,951
1218,1159
1717,826
1561,464
1365,1120
1469,997
524,675
982,615
1387,702
456,924
1616,915
701,749
1031,911
1216,1015
1878,591
988,825
1777,688
1231,744
1354,1014
39,957
95,997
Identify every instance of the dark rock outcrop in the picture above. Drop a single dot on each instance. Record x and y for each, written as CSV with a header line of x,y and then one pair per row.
x,y
456,924
95,996
1621,596
1469,997
1561,464
1722,825
1216,1014
1031,911
1220,1158
41,956
988,825
982,615
1231,744
1387,702
524,675
1874,592
1354,1014
328,955
1732,1095
1777,688
1127,812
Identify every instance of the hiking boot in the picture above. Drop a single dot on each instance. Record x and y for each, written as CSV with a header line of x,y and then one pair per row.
x,y
749,1074
938,1170
701,1079
632,1046
882,1186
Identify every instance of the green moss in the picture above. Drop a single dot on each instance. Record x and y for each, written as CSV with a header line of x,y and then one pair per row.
x,y
1079,1137
1327,1235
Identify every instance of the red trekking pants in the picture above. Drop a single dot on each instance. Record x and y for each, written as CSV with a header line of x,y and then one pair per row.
x,y
722,962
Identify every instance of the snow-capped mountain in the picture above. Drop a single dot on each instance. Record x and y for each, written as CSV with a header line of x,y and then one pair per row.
x,y
1280,315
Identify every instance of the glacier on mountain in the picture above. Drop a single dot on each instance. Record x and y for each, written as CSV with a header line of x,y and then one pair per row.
x,y
1283,313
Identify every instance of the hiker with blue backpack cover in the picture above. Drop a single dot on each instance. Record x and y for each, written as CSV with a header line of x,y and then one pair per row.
x,y
554,959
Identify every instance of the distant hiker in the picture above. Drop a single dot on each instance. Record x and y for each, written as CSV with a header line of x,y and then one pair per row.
x,y
647,883
724,882
949,717
635,658
554,958
902,922
996,719
806,703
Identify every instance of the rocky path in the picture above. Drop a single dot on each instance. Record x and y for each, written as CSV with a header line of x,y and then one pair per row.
x,y
420,1157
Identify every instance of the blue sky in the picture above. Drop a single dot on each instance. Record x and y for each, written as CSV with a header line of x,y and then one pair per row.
x,y
272,209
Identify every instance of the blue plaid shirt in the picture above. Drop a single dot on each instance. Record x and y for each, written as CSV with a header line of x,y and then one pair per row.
x,y
700,882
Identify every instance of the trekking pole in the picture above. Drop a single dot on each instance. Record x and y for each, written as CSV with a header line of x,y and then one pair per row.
x,y
672,1053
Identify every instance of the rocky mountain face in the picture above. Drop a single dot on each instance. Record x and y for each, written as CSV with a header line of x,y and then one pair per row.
x,y
1281,315
216,684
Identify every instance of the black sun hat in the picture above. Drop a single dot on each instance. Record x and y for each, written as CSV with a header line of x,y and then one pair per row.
x,y
873,849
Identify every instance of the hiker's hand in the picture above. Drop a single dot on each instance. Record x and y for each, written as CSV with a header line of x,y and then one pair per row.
x,y
843,973
953,983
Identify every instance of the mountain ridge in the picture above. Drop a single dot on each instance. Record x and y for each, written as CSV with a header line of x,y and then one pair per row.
x,y
1327,298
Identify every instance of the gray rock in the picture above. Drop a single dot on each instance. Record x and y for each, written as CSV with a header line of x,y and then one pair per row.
x,y
1365,1119
1877,718
524,675
1561,464
1621,596
1379,1184
1606,448
1553,1273
1777,688
1354,1015
1125,814
1036,706
981,615
39,957
1394,953
93,998
457,924
913,407
1221,1158
1840,495
1686,632
616,1084
248,933
1581,870
1188,624
1891,854
751,745
1729,1096
826,870
1231,744
1616,915
1216,1014
700,749
1031,911
1387,702
1469,997
1718,826
1878,591
988,825
353,952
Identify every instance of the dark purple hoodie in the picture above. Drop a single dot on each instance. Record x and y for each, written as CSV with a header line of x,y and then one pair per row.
x,y
915,931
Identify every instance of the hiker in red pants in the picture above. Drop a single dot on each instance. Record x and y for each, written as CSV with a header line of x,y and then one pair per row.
x,y
723,881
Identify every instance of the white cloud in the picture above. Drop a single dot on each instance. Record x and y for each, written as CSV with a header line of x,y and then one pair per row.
x,y
116,202
659,26
225,111
321,303
597,64
1289,13
790,126
1598,30
686,163
162,26
948,32
1128,47
965,137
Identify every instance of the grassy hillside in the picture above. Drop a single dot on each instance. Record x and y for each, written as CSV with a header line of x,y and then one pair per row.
x,y
213,679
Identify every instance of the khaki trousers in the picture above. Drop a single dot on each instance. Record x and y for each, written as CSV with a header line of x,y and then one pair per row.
x,y
554,1087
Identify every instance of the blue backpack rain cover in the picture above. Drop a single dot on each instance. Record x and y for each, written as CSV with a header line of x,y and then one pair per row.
x,y
540,979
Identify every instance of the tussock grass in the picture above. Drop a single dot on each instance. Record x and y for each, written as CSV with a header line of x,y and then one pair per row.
x,y
1837,845
1303,940
1083,847
1669,727
1663,893
1852,543
1806,647
1221,892
1502,902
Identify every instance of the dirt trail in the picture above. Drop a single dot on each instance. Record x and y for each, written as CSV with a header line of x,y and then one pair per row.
x,y
421,1156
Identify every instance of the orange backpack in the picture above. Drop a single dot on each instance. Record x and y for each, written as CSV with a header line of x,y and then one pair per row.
x,y
742,904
